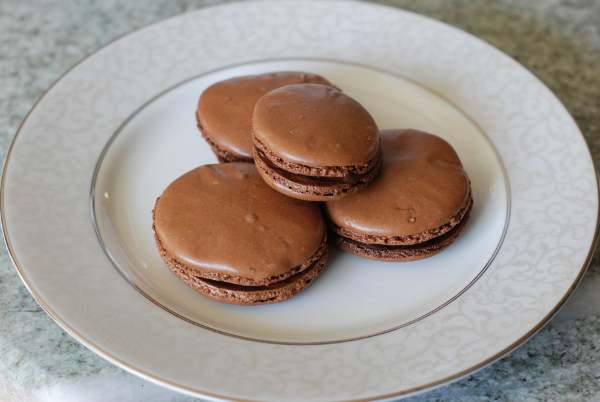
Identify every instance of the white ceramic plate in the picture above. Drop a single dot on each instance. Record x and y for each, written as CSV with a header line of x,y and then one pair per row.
x,y
120,126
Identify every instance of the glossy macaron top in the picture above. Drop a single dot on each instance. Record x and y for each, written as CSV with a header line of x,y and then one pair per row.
x,y
225,108
421,187
223,219
315,125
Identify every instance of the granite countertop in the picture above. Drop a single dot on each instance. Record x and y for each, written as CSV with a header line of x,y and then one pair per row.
x,y
558,40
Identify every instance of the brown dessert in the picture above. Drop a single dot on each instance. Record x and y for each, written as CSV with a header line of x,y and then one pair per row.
x,y
313,142
415,208
224,232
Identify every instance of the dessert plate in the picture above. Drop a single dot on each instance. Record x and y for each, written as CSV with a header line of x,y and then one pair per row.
x,y
90,159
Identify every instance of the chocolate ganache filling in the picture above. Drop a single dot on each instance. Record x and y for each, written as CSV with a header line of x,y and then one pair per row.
x,y
438,241
347,178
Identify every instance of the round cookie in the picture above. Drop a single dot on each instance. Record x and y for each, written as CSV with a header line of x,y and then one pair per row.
x,y
415,208
224,232
313,142
224,113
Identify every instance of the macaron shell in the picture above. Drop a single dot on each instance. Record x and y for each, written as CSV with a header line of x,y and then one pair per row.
x,y
225,109
421,187
315,125
224,222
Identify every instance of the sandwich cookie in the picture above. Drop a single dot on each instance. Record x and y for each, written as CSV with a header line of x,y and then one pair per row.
x,y
313,142
224,112
415,208
226,234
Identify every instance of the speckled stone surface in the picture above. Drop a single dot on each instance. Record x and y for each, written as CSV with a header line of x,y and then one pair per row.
x,y
558,40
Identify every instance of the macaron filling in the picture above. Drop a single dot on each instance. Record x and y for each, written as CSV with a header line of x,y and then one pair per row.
x,y
348,177
173,264
232,292
411,250
407,240
273,293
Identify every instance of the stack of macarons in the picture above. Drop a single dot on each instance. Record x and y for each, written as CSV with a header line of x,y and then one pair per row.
x,y
301,161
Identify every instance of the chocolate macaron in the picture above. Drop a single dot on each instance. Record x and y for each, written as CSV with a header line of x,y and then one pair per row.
x,y
314,142
225,233
224,113
415,208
